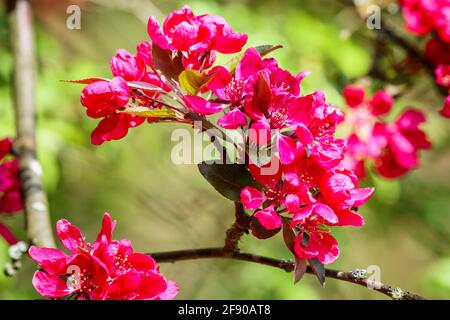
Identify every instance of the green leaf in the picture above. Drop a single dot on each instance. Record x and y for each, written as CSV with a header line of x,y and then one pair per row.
x,y
227,179
167,65
191,81
264,50
151,113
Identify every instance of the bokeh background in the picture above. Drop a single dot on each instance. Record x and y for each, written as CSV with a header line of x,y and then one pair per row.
x,y
161,206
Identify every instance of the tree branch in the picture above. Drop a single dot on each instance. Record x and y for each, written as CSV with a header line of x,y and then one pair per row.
x,y
38,225
240,227
356,277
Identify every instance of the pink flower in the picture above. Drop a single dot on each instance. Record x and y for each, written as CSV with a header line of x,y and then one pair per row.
x,y
404,140
114,127
392,147
104,97
320,245
127,66
144,52
104,270
197,37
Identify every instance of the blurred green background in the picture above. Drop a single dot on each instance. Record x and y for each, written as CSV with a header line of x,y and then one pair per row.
x,y
161,206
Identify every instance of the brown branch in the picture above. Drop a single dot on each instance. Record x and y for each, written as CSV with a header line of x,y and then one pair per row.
x,y
356,277
38,225
240,227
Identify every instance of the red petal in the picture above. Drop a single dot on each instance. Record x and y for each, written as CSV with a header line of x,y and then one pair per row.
x,y
50,286
252,198
286,148
108,225
232,120
69,235
51,260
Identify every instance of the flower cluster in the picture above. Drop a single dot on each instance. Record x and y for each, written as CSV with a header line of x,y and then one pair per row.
x,y
174,79
10,195
191,41
393,147
432,17
106,269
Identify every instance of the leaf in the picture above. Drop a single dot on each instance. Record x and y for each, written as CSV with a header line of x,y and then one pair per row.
x,y
288,234
165,64
264,50
319,269
227,179
192,81
144,86
300,269
151,113
288,237
86,80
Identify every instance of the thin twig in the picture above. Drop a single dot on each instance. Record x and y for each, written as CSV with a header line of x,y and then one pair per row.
x,y
38,225
355,277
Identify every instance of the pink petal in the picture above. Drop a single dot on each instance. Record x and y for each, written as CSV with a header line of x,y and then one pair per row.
x,y
152,286
171,291
292,203
232,120
252,198
141,262
249,65
287,147
301,251
359,196
325,245
304,135
51,260
325,212
50,286
265,223
300,215
69,235
108,225
350,218
231,43
218,78
156,33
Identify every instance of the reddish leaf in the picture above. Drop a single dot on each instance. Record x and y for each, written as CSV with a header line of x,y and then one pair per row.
x,y
166,64
86,80
319,269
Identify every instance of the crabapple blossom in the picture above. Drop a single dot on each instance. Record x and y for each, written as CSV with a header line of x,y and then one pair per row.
x,y
173,78
392,147
106,269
